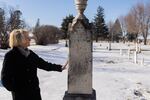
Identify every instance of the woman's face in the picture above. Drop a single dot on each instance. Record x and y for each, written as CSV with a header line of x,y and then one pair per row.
x,y
26,41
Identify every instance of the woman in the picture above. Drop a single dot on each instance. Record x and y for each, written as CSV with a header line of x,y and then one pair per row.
x,y
19,72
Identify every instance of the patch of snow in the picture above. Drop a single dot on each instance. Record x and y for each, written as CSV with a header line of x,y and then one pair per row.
x,y
115,76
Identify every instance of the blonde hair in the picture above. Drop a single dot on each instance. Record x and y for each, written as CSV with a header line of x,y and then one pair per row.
x,y
16,37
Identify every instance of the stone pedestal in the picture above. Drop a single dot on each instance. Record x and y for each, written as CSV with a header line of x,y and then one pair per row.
x,y
69,96
80,58
80,62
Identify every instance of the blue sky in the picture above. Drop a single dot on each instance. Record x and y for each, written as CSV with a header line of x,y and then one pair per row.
x,y
53,11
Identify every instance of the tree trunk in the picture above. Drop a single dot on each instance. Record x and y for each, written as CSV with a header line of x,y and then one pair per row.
x,y
145,41
96,39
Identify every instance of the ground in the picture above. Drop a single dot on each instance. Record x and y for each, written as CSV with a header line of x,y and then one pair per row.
x,y
115,75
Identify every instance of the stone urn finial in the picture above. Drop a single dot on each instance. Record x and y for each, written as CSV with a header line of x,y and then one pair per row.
x,y
80,6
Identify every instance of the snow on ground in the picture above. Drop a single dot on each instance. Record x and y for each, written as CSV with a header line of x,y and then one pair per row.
x,y
115,76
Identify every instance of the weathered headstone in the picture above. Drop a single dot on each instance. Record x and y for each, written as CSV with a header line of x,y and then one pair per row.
x,y
109,45
136,47
80,58
121,52
142,61
135,57
128,54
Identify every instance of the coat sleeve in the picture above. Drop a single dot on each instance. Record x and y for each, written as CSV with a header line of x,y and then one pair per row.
x,y
7,73
42,64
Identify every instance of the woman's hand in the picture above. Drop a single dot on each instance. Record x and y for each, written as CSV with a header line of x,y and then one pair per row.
x,y
65,66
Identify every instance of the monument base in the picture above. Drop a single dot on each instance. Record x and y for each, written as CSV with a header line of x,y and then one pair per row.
x,y
69,96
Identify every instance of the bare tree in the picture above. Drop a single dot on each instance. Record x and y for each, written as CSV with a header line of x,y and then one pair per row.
x,y
138,20
132,22
146,23
46,34
123,25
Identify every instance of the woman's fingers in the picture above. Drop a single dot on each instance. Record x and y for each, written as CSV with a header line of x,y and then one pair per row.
x,y
65,66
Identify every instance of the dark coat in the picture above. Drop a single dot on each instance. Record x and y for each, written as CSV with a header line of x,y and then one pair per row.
x,y
19,73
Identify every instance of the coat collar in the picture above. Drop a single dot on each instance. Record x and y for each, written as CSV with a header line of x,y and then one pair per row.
x,y
22,51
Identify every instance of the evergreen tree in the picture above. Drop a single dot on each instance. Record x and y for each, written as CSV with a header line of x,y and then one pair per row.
x,y
37,23
3,33
131,37
65,24
2,21
36,29
15,21
116,30
100,28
